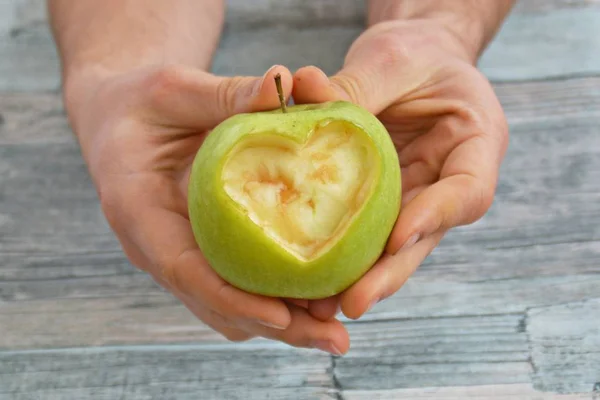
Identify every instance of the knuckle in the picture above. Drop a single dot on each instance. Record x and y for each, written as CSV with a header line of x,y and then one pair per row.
x,y
483,197
486,198
109,203
164,81
486,116
226,93
474,118
390,50
236,336
352,86
111,206
170,271
225,328
222,301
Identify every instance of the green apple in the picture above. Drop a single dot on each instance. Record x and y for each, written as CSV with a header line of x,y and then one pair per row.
x,y
298,202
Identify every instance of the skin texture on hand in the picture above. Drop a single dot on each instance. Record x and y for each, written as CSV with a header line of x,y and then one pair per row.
x,y
448,128
145,130
472,22
141,103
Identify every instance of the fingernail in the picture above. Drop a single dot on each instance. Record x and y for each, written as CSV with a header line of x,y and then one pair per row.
x,y
410,242
320,72
372,305
338,309
259,84
327,346
271,325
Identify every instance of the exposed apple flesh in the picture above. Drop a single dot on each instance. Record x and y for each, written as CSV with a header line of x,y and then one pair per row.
x,y
302,195
296,203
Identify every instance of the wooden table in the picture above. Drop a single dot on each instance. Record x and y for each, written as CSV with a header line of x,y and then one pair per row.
x,y
508,308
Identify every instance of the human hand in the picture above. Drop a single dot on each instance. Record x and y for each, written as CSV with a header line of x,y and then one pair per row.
x,y
139,132
449,130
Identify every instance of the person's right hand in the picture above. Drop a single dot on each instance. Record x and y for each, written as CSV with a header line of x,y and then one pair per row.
x,y
139,133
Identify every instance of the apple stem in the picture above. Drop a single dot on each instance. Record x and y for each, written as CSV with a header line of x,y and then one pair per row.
x,y
280,93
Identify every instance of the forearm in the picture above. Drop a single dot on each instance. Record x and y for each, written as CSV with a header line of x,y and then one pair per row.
x,y
97,38
473,22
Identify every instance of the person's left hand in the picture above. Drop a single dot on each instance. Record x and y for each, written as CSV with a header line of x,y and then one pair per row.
x,y
449,130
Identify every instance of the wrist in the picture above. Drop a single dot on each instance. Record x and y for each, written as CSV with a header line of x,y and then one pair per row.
x,y
80,86
472,23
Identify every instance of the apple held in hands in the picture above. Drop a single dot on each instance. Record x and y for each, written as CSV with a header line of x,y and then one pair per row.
x,y
298,202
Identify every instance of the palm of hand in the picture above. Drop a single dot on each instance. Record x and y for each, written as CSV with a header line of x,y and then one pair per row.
x,y
448,129
141,138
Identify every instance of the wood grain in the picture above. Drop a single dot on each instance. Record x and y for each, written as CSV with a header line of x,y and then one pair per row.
x,y
166,372
565,346
505,309
435,352
151,318
537,246
484,392
27,118
528,47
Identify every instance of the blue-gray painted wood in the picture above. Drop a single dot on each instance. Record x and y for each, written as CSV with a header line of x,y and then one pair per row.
x,y
565,346
508,304
537,46
168,372
64,282
483,392
436,352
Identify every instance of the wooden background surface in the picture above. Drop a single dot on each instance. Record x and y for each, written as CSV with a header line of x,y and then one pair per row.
x,y
508,308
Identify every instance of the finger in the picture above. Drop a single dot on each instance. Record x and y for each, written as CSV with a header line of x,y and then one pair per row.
x,y
184,267
467,179
385,278
190,98
297,302
216,321
324,309
312,85
305,331
164,236
453,201
212,319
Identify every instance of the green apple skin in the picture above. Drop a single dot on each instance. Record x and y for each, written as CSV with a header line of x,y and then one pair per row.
x,y
241,252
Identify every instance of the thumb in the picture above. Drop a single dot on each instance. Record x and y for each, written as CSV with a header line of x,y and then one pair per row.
x,y
190,98
376,73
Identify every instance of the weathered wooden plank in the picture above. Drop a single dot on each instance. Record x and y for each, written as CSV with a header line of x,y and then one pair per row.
x,y
129,314
152,318
427,297
549,101
485,392
294,48
565,346
435,352
28,118
535,46
260,13
39,117
29,221
537,6
28,60
537,246
166,372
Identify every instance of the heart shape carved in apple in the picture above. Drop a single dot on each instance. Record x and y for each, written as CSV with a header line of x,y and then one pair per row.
x,y
297,202
302,195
